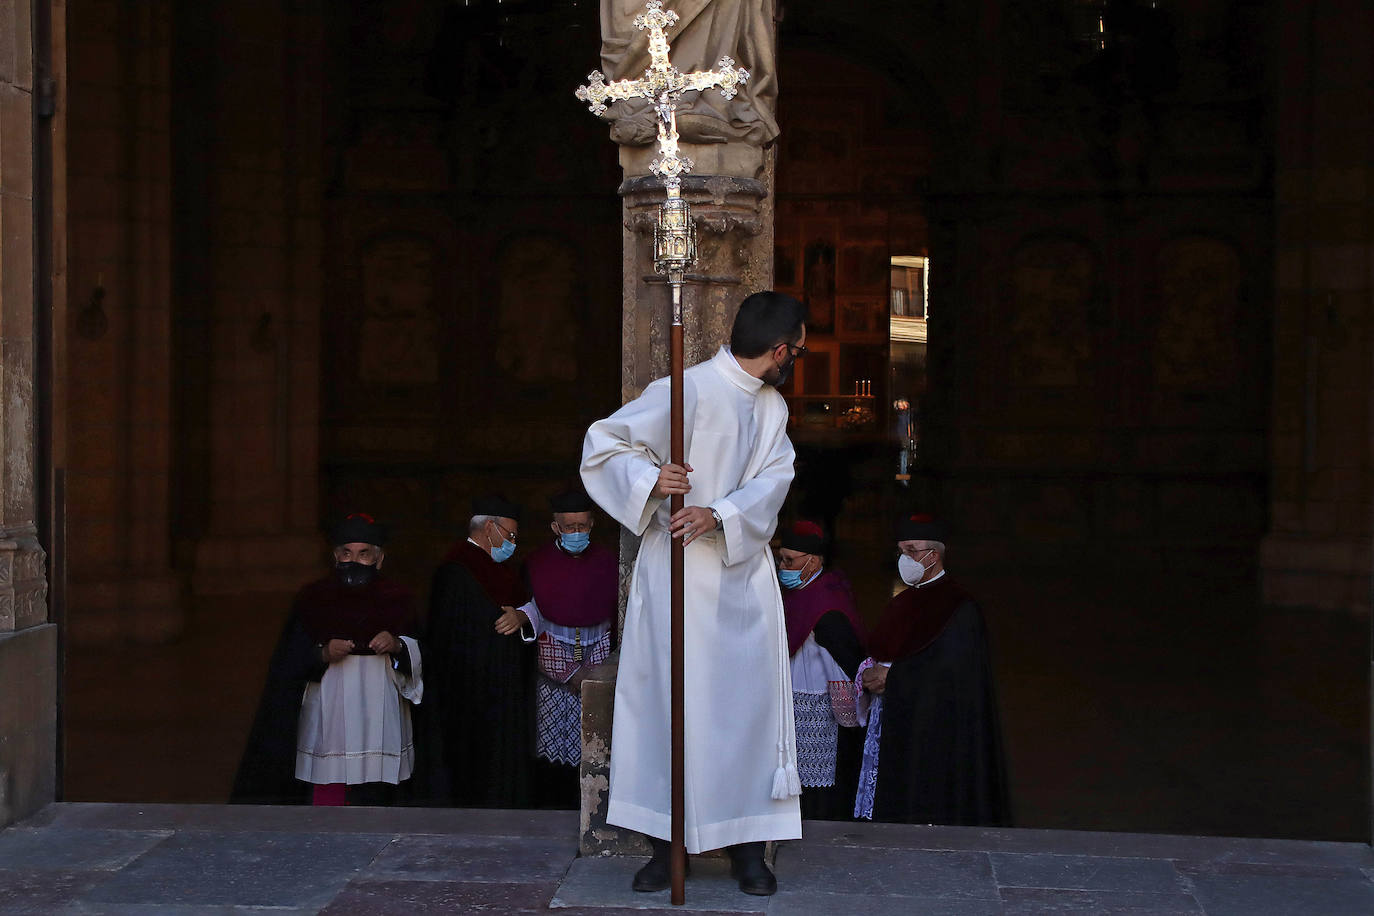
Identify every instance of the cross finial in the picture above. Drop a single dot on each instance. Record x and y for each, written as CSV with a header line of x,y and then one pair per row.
x,y
663,85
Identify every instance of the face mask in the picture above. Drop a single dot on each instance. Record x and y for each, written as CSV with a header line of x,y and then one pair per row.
x,y
504,552
911,571
796,578
784,373
575,541
355,575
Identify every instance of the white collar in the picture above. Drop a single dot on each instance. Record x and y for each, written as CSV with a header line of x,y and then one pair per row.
x,y
728,366
934,578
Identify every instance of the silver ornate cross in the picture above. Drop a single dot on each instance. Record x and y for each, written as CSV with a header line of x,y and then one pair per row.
x,y
663,85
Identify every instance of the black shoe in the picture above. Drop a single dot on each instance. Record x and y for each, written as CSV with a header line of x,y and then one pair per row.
x,y
656,875
746,864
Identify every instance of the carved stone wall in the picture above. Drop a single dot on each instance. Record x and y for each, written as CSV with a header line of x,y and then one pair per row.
x,y
23,582
28,642
734,258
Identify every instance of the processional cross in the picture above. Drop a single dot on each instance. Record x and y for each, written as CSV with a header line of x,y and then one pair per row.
x,y
674,251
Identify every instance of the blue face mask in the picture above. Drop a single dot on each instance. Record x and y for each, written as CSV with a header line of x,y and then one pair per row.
x,y
575,541
790,578
504,552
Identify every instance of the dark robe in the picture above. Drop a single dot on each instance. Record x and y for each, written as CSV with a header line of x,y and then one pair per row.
x,y
571,590
479,687
940,758
267,770
826,608
322,610
328,609
575,590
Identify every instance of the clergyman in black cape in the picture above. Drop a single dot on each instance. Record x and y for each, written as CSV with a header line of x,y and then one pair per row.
x,y
340,623
933,752
480,684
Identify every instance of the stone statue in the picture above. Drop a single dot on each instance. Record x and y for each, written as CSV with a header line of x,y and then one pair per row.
x,y
707,30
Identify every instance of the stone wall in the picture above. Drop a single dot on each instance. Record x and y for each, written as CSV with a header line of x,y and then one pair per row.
x,y
1097,207
1318,550
471,276
28,654
118,396
250,155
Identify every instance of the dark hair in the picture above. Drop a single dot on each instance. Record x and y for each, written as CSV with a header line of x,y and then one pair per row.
x,y
765,320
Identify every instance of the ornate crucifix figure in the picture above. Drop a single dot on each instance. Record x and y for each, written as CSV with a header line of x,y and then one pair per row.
x,y
663,85
674,251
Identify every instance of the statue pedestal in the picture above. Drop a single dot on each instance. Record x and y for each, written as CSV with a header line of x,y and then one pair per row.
x,y
595,836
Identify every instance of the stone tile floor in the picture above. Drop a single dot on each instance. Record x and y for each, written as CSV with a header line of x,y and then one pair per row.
x,y
206,859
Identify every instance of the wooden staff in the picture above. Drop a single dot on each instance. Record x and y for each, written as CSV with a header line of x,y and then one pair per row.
x,y
678,860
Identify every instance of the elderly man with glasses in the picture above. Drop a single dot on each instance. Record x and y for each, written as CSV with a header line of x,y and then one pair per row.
x,y
933,749
481,680
576,586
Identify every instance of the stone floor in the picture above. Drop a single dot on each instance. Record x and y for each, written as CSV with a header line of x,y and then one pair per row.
x,y
204,859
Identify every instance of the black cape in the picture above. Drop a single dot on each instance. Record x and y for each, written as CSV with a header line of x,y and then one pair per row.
x,y
478,713
267,770
940,758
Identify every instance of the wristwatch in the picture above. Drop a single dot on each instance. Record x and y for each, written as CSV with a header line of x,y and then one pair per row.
x,y
716,515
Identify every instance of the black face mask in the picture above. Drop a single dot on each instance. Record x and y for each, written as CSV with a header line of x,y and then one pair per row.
x,y
784,372
355,575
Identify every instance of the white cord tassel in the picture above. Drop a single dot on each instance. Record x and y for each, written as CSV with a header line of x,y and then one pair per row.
x,y
781,784
786,781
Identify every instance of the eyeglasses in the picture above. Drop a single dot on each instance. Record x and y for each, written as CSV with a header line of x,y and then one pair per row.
x,y
797,351
510,535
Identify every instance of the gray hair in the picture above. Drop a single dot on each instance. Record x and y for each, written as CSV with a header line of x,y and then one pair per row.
x,y
478,522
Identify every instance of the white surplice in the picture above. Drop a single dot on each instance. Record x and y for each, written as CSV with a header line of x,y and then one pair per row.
x,y
354,725
740,755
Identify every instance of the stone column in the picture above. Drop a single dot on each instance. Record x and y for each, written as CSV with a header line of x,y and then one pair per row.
x,y
28,684
733,212
1318,550
264,287
730,192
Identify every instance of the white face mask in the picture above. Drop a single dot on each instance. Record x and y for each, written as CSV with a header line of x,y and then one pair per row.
x,y
910,569
913,570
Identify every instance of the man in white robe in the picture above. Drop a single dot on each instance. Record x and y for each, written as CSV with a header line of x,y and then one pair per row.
x,y
741,782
